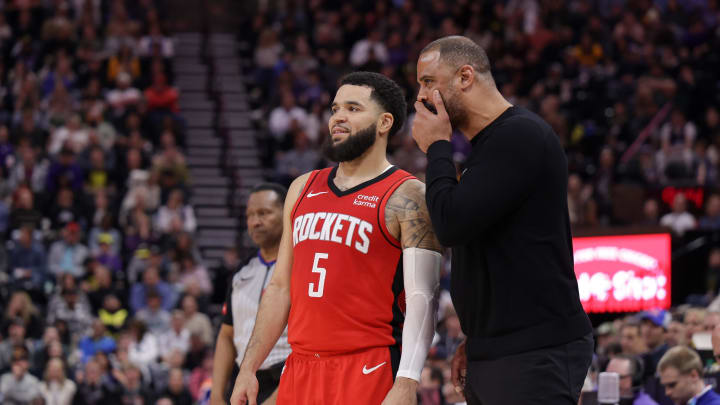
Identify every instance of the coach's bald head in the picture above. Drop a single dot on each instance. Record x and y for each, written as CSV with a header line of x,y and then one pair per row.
x,y
460,70
456,51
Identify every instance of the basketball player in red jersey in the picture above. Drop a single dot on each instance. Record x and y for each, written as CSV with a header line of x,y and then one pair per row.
x,y
356,237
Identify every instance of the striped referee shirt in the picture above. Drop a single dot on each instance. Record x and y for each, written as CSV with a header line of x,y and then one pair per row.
x,y
242,304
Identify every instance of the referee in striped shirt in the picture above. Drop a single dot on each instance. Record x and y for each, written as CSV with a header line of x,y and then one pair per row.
x,y
264,223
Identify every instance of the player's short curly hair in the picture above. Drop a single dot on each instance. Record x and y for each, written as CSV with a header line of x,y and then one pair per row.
x,y
385,92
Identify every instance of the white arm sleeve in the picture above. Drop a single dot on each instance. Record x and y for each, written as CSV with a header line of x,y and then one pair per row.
x,y
421,275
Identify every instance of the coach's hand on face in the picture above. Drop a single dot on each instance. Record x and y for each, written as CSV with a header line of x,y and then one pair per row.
x,y
245,390
403,392
429,127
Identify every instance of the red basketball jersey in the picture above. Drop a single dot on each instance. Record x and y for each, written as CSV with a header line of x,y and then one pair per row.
x,y
347,268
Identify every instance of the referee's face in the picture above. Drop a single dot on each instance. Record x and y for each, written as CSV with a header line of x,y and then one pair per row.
x,y
264,218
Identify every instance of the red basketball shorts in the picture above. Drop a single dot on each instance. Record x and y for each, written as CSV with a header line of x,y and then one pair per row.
x,y
363,377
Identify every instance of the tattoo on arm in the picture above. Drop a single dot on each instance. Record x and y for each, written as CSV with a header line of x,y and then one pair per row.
x,y
407,217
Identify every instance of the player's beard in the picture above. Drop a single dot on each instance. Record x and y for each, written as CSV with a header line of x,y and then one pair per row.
x,y
352,147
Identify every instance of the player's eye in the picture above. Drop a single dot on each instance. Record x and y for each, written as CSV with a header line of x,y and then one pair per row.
x,y
353,108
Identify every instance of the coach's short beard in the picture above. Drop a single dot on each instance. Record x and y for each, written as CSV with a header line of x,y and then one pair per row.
x,y
456,111
352,147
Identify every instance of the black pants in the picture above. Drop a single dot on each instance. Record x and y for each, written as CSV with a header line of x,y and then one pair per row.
x,y
268,381
547,376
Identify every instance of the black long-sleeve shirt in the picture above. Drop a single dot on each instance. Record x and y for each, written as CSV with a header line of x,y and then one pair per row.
x,y
506,219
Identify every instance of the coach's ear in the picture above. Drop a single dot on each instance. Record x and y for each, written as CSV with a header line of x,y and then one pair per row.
x,y
385,123
466,76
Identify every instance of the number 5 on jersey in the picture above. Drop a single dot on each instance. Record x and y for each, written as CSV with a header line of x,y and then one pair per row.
x,y
321,282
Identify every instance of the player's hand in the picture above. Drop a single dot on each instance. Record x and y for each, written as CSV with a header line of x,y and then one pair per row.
x,y
428,127
458,366
245,390
403,392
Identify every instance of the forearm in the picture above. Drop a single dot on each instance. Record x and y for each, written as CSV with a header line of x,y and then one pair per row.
x,y
441,181
421,276
222,362
271,321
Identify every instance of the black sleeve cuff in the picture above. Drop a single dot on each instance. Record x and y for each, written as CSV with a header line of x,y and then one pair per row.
x,y
440,150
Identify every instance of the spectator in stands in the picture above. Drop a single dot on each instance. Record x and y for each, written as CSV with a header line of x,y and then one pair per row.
x,y
630,370
16,337
23,211
28,132
68,255
431,384
176,337
651,213
56,388
631,339
99,285
194,278
155,38
153,315
712,319
694,321
681,372
176,390
47,348
151,280
196,322
653,327
20,309
143,348
97,341
104,230
106,256
103,130
298,160
18,386
175,216
64,172
679,220
73,136
72,307
222,275
97,173
94,388
27,265
581,206
169,164
286,117
715,339
200,377
713,276
676,334
112,314
161,97
28,170
123,62
65,210
711,220
371,48
124,97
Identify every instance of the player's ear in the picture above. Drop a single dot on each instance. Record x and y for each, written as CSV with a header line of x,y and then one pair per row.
x,y
385,122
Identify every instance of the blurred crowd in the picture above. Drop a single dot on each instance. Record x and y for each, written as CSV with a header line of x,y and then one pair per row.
x,y
104,298
630,87
606,74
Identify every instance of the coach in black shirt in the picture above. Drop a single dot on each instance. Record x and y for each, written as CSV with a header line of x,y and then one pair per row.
x,y
506,219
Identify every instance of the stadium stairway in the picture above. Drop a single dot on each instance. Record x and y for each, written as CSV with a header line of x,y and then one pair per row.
x,y
221,152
